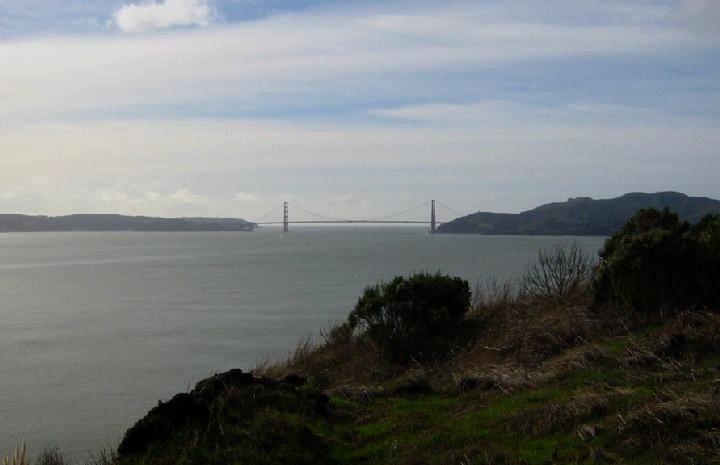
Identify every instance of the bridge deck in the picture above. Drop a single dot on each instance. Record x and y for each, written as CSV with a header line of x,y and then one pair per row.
x,y
348,222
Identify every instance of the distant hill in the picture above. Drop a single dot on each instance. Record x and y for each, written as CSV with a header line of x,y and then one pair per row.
x,y
581,216
25,223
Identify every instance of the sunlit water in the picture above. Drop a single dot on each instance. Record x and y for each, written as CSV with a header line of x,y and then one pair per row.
x,y
97,327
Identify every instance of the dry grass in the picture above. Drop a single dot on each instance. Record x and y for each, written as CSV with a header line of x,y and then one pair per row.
x,y
493,295
690,334
511,336
505,378
560,415
524,334
19,457
51,456
103,457
684,426
340,360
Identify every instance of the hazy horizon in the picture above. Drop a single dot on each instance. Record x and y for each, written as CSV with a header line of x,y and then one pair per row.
x,y
415,211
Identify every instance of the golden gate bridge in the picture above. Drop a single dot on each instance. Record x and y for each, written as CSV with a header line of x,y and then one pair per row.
x,y
317,218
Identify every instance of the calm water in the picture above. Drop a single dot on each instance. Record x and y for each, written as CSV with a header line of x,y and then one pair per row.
x,y
96,327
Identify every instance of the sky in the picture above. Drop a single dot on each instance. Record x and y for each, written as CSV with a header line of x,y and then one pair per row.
x,y
353,108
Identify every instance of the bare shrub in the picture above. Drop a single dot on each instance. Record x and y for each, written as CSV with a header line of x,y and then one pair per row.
x,y
560,274
51,456
493,294
338,334
103,457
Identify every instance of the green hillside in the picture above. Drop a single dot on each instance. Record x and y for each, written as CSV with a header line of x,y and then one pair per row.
x,y
581,216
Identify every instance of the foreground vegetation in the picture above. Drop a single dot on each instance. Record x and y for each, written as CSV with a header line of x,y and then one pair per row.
x,y
576,363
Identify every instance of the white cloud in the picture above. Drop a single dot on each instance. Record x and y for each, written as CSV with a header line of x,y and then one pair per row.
x,y
490,112
149,15
43,195
500,113
184,196
152,198
246,197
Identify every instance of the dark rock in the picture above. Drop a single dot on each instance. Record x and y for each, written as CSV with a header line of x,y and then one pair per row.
x,y
672,345
161,420
295,380
322,404
219,383
469,384
472,383
182,409
415,385
193,410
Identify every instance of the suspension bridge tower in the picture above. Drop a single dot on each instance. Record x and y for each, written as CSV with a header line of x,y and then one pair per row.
x,y
432,217
285,217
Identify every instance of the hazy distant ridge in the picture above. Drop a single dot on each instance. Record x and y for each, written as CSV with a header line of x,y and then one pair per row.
x,y
26,223
582,216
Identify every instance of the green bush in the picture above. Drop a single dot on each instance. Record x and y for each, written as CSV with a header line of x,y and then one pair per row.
x,y
707,235
658,265
411,318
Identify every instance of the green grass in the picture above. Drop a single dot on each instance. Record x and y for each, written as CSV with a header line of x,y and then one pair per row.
x,y
617,346
432,427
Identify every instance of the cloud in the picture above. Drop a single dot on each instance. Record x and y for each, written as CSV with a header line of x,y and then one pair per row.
x,y
142,17
700,15
489,111
522,157
89,110
43,195
294,58
505,113
246,197
137,198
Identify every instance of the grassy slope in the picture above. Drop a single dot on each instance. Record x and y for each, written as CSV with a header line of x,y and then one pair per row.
x,y
644,396
606,411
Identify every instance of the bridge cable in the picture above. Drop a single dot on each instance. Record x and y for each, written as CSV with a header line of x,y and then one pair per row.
x,y
451,210
424,204
329,218
262,217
